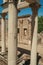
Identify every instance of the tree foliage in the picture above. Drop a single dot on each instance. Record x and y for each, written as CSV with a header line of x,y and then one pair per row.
x,y
40,24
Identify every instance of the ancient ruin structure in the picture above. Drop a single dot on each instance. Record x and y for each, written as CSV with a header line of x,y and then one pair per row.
x,y
12,7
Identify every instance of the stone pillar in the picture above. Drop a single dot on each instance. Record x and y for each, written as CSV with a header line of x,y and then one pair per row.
x,y
12,32
3,32
34,36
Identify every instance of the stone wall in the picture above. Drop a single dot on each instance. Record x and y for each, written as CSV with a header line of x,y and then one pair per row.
x,y
24,35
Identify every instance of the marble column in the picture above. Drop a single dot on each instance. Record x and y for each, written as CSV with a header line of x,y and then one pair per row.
x,y
34,36
3,36
12,32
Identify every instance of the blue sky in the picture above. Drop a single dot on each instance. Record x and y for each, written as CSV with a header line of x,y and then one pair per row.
x,y
28,10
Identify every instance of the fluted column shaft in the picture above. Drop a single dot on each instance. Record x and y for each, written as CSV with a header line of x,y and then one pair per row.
x,y
12,32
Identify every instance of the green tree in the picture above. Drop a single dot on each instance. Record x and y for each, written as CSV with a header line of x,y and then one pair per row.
x,y
40,24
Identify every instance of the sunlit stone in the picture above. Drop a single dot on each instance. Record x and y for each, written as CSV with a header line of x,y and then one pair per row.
x,y
5,1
